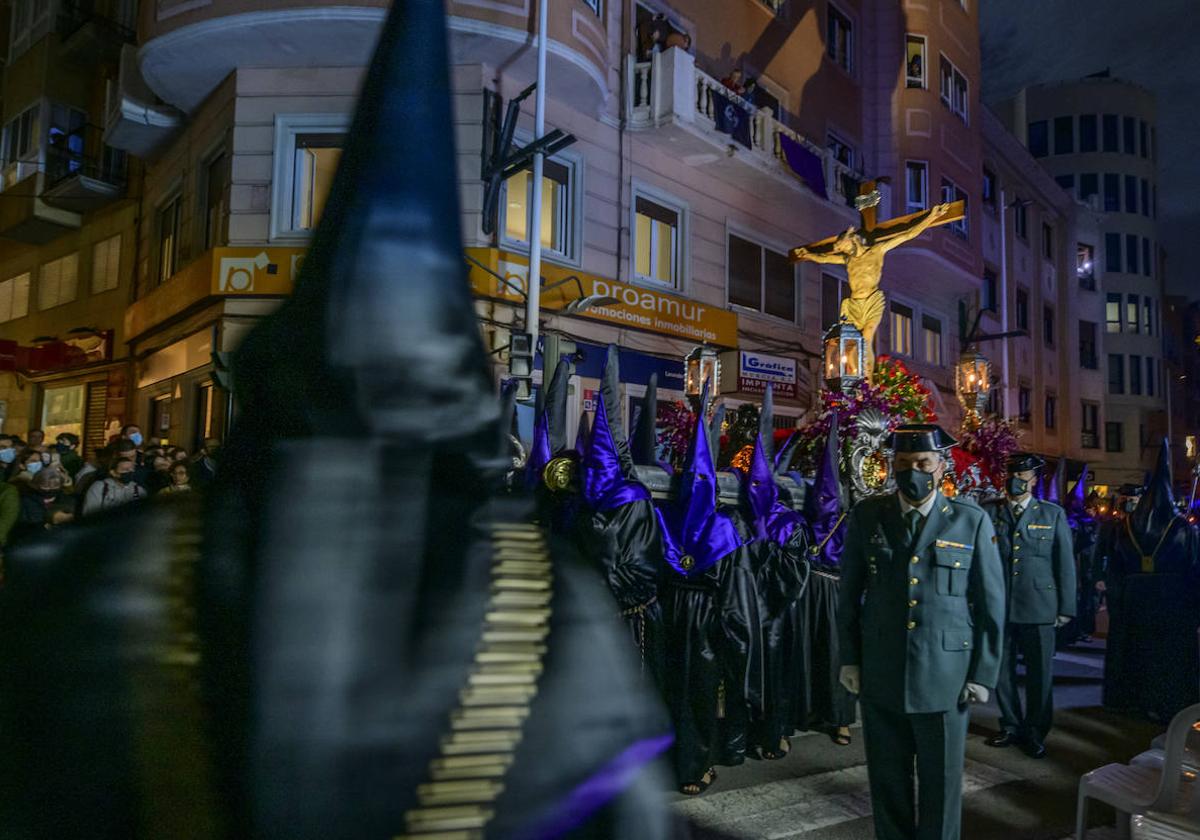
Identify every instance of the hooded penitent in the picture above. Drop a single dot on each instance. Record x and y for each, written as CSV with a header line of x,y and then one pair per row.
x,y
823,505
306,665
644,443
550,426
581,434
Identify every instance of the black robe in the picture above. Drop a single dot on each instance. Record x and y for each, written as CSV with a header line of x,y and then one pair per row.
x,y
1152,664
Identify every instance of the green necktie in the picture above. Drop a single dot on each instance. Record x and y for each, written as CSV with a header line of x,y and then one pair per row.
x,y
914,524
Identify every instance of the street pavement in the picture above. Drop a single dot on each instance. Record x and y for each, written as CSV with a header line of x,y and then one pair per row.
x,y
819,792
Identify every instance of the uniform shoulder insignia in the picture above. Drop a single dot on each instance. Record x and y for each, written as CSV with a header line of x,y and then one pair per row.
x,y
965,501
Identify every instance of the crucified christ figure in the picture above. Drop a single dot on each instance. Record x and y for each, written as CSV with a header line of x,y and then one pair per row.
x,y
863,257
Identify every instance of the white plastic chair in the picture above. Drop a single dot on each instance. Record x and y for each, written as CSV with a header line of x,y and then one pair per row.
x,y
1179,826
1137,790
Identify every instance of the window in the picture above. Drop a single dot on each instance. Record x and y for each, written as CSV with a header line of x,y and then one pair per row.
x,y
1087,133
1131,194
1024,400
308,148
1149,376
952,192
831,302
1039,139
1146,257
58,281
1089,185
1047,241
916,185
1142,145
839,39
1109,129
842,151
1135,374
63,411
658,242
1131,314
14,298
914,68
1089,423
1064,135
1114,437
1051,414
990,291
952,87
22,136
1085,266
1145,198
1129,126
1021,221
902,324
989,188
761,279
64,141
1131,253
168,239
931,329
1112,313
216,182
1048,326
594,5
1067,182
1022,309
557,216
1112,252
106,264
1116,373
1112,192
1147,323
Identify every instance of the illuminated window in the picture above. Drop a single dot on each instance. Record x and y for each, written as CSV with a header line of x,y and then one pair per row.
x,y
58,281
308,149
931,331
14,298
557,205
914,67
106,264
62,411
168,239
1085,266
315,159
658,242
1112,313
916,179
902,329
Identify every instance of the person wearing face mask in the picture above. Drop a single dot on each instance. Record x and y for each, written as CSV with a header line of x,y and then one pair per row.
x,y
8,456
1034,539
67,446
921,621
43,506
30,464
117,488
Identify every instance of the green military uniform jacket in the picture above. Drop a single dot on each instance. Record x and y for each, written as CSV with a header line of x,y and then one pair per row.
x,y
921,620
1038,560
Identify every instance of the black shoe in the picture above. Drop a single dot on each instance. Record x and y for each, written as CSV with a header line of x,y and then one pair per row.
x,y
1004,739
1034,749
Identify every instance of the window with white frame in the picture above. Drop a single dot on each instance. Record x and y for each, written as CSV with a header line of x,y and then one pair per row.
x,y
916,180
21,136
560,207
931,334
58,281
594,5
106,264
14,298
953,88
168,238
914,66
839,38
761,279
952,192
902,329
658,241
308,148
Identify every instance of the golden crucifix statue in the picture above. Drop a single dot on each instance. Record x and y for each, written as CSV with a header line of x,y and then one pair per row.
x,y
862,250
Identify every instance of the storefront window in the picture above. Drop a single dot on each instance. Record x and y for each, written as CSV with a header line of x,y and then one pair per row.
x,y
62,411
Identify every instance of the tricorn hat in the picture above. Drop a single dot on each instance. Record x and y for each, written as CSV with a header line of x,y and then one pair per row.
x,y
1022,461
920,437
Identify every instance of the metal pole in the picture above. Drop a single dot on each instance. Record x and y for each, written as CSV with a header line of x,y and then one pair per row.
x,y
533,300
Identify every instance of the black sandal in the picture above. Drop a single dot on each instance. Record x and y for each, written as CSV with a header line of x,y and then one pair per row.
x,y
840,739
785,747
697,788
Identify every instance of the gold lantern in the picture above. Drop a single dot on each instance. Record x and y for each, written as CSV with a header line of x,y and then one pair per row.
x,y
845,357
972,384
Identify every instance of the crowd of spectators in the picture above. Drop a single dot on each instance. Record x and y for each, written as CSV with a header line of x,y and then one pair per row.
x,y
43,487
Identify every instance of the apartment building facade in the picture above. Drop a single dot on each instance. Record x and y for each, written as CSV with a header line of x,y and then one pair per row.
x,y
1097,137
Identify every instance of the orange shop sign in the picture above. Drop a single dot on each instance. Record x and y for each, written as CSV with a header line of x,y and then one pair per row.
x,y
638,308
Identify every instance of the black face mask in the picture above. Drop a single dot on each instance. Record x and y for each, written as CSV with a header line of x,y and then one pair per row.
x,y
1016,486
914,484
124,478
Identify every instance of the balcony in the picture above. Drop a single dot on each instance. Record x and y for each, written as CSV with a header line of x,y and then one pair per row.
x,y
135,120
92,32
82,172
670,96
24,215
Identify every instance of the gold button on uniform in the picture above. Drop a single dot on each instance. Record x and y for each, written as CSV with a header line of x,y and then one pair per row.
x,y
912,625
913,602
913,581
916,559
966,644
1016,573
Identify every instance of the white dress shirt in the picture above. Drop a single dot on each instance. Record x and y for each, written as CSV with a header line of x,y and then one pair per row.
x,y
924,508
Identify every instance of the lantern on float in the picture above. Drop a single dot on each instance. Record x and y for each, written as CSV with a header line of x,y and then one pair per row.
x,y
845,357
973,377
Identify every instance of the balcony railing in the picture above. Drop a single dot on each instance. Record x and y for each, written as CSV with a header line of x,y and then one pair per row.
x,y
83,153
669,88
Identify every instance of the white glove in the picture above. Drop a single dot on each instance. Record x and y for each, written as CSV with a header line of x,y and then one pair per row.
x,y
851,678
974,693
1063,621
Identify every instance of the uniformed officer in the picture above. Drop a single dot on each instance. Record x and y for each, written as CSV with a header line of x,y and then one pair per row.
x,y
1035,545
921,620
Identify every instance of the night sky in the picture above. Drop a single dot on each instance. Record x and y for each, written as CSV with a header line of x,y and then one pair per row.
x,y
1152,43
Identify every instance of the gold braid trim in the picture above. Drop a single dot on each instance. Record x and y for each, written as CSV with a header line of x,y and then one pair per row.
x,y
465,779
